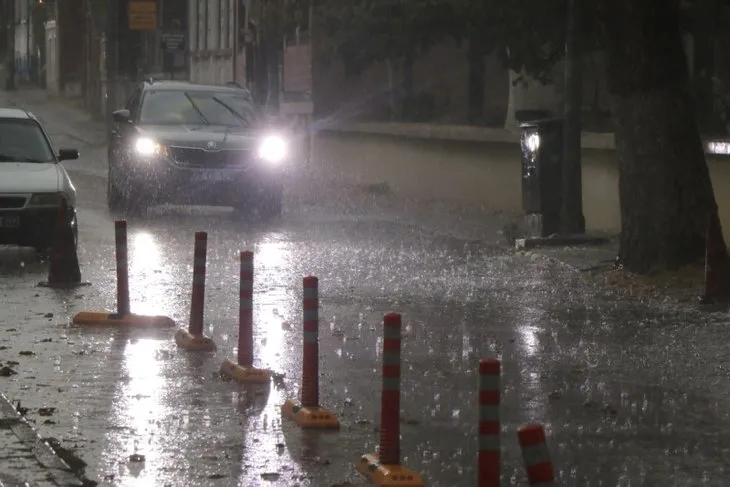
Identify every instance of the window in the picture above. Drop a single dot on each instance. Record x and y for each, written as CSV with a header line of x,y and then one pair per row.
x,y
23,141
168,107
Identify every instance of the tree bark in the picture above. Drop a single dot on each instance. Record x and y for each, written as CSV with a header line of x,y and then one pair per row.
x,y
664,183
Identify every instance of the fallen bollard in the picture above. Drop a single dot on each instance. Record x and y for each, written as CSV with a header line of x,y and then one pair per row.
x,y
123,316
309,414
383,469
489,424
64,271
535,456
193,338
244,371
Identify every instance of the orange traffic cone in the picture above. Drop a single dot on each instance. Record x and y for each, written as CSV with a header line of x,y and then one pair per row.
x,y
717,263
64,271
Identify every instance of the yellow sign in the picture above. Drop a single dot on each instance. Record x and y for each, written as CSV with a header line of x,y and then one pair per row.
x,y
143,15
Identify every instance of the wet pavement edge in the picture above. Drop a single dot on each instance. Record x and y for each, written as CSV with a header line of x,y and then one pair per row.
x,y
56,469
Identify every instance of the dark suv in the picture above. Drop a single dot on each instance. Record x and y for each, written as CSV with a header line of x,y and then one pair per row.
x,y
183,143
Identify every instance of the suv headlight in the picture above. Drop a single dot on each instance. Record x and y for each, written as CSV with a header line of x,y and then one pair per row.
x,y
45,199
273,149
148,147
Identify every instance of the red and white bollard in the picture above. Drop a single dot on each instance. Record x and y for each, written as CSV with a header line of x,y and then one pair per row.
x,y
308,413
124,316
244,371
384,468
536,456
193,338
489,423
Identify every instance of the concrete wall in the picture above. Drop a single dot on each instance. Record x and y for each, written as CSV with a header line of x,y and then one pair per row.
x,y
479,167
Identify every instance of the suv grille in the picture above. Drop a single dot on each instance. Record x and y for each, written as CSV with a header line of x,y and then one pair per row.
x,y
198,158
12,202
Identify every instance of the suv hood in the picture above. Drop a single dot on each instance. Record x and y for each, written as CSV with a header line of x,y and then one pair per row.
x,y
201,136
29,177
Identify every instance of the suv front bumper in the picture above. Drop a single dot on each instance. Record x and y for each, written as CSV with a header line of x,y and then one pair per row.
x,y
161,180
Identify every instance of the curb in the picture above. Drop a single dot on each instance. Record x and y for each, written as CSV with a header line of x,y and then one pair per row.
x,y
58,470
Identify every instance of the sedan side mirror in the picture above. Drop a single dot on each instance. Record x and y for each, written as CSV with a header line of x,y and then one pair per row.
x,y
122,116
68,154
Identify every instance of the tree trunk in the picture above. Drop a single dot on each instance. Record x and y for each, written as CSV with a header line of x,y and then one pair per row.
x,y
704,35
664,184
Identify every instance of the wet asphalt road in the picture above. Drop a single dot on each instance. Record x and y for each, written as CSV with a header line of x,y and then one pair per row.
x,y
630,393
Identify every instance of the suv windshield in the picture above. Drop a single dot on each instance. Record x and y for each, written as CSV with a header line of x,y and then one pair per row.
x,y
177,107
23,141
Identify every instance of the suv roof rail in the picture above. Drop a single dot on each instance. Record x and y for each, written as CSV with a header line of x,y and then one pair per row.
x,y
234,84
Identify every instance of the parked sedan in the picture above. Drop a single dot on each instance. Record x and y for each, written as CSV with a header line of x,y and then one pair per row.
x,y
32,182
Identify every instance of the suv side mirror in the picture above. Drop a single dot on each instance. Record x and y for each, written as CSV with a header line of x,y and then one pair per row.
x,y
122,116
68,154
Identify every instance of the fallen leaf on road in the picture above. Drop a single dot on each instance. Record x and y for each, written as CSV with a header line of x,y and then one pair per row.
x,y
27,352
46,411
6,371
48,315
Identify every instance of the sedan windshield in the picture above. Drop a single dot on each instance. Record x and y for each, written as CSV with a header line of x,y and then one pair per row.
x,y
170,107
23,141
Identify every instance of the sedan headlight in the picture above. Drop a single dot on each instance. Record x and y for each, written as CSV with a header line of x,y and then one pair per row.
x,y
273,149
45,199
148,147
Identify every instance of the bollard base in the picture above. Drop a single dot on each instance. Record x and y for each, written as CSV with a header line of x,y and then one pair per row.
x,y
64,285
194,343
131,320
244,374
387,475
310,418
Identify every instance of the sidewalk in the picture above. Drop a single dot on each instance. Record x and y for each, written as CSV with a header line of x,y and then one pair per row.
x,y
58,114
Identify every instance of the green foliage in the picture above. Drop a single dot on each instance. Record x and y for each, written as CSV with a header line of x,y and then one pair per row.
x,y
363,32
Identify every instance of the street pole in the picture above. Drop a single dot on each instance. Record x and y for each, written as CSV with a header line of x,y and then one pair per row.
x,y
572,219
112,61
10,67
236,37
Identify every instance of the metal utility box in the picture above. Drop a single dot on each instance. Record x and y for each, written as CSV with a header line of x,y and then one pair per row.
x,y
542,164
